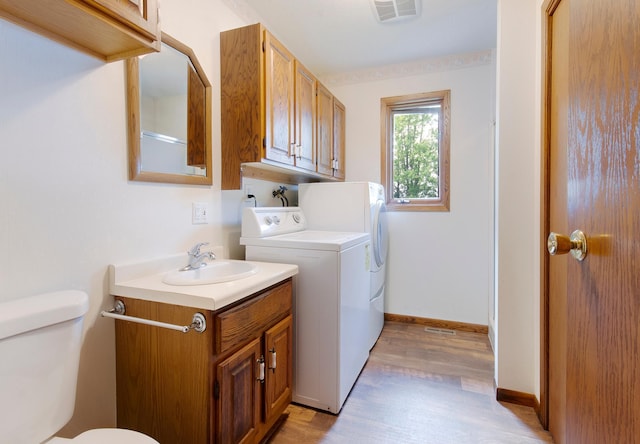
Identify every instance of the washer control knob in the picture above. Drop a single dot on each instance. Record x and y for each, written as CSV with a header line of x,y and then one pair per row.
x,y
296,218
276,220
268,220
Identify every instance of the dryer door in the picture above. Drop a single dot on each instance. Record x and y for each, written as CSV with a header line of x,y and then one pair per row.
x,y
380,234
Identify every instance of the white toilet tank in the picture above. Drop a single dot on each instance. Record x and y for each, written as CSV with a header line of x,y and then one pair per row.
x,y
40,339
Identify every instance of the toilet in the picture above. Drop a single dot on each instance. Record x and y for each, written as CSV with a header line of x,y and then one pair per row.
x,y
40,340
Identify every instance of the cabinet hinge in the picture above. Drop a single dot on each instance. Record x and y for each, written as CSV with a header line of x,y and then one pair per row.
x,y
264,46
216,390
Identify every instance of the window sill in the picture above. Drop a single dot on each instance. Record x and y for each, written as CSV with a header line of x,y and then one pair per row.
x,y
418,205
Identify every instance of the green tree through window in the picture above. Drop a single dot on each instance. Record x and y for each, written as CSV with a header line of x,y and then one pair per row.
x,y
415,151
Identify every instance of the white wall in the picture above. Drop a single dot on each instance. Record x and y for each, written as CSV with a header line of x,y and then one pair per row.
x,y
439,264
518,196
67,208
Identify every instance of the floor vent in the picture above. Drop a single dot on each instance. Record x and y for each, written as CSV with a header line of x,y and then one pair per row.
x,y
392,10
440,331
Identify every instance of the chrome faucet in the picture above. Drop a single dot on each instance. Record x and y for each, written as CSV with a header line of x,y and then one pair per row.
x,y
196,258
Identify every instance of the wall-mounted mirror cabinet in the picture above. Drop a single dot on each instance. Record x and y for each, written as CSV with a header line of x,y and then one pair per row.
x,y
169,107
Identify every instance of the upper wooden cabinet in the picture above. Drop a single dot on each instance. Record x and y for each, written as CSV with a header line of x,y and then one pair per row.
x,y
339,139
304,128
290,108
325,130
107,29
279,102
269,111
331,134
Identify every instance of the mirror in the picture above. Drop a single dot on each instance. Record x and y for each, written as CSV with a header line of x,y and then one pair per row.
x,y
169,107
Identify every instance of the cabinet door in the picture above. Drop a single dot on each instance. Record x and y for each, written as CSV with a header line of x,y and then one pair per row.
x,y
305,118
279,81
325,130
141,15
339,139
240,398
278,356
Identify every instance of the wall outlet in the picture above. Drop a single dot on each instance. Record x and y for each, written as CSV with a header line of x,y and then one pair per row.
x,y
199,213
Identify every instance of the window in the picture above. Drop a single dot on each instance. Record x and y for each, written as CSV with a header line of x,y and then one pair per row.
x,y
415,151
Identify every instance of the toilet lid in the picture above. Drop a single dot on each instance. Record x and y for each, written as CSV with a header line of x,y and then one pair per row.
x,y
111,436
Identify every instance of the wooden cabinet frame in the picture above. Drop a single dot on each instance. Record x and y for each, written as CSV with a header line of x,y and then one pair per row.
x,y
106,29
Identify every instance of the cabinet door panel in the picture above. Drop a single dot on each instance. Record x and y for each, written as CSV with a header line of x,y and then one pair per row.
x,y
278,380
239,401
142,15
339,139
325,131
279,73
305,115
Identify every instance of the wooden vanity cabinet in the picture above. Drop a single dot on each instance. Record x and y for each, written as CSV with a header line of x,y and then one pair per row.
x,y
229,384
107,29
268,109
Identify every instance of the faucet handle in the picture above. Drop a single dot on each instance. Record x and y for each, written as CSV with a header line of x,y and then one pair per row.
x,y
195,250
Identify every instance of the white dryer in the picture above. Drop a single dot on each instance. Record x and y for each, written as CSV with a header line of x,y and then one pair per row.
x,y
353,206
331,299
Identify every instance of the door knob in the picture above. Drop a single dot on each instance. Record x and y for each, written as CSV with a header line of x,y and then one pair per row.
x,y
576,244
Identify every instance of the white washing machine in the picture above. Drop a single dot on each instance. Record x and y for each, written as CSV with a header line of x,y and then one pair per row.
x,y
331,299
353,206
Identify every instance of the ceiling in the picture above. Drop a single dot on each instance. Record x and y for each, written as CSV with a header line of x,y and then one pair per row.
x,y
338,36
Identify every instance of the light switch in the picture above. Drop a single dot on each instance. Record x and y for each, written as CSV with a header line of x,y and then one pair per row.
x,y
199,213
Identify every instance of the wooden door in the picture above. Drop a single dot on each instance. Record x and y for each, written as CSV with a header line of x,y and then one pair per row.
x,y
305,118
239,401
557,164
279,378
279,90
594,185
325,130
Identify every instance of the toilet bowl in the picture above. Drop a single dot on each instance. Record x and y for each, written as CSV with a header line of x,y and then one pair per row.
x,y
40,340
106,436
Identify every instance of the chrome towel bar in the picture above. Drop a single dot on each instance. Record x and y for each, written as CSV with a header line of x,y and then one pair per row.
x,y
198,323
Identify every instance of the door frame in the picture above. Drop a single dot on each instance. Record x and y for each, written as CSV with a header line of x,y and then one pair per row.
x,y
548,8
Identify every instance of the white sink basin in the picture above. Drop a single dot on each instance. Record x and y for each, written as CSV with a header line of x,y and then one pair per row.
x,y
213,273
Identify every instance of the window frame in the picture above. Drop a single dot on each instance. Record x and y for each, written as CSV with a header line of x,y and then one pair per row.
x,y
387,106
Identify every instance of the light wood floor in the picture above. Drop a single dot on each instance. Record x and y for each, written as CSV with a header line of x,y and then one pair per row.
x,y
419,387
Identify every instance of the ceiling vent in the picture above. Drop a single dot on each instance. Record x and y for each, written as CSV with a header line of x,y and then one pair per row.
x,y
393,10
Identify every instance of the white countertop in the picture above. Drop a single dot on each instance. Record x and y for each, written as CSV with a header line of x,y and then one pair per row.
x,y
143,280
